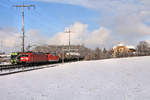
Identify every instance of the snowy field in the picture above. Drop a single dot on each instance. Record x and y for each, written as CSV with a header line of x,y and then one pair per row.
x,y
113,79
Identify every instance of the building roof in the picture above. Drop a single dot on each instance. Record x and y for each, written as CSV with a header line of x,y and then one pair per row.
x,y
120,44
131,47
128,46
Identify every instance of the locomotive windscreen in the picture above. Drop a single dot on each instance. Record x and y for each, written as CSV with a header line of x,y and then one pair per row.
x,y
25,55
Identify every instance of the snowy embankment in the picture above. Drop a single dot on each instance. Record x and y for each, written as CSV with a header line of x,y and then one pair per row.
x,y
113,79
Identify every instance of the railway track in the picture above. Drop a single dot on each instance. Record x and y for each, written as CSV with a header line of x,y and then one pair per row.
x,y
12,69
5,67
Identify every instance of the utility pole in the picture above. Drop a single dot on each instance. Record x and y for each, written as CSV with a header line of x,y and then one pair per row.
x,y
23,33
69,31
63,54
1,46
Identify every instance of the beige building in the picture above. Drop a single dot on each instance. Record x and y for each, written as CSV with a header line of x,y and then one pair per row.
x,y
123,50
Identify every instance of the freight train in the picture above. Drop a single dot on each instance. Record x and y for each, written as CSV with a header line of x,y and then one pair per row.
x,y
39,57
33,58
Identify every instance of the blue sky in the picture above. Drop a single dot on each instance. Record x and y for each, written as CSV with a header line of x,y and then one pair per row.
x,y
49,18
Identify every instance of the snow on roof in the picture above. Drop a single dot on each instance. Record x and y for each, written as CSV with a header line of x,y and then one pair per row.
x,y
120,44
130,47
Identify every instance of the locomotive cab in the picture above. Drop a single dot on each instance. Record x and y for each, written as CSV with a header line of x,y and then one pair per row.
x,y
24,58
15,57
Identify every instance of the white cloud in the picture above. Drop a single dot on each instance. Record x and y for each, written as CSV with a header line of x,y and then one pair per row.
x,y
10,39
80,35
125,18
34,37
131,27
147,2
98,38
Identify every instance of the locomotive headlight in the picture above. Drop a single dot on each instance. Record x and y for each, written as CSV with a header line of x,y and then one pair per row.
x,y
27,58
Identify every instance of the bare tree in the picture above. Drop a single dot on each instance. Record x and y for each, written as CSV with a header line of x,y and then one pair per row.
x,y
98,53
143,48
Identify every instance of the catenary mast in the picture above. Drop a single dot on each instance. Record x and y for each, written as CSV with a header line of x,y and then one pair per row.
x,y
23,32
69,31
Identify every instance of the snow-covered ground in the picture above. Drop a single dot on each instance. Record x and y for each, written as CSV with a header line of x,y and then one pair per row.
x,y
113,79
5,63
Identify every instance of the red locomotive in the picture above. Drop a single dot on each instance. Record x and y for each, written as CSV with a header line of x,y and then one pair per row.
x,y
34,58
53,58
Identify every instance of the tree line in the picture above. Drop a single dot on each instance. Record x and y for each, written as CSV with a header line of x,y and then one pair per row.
x,y
142,49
